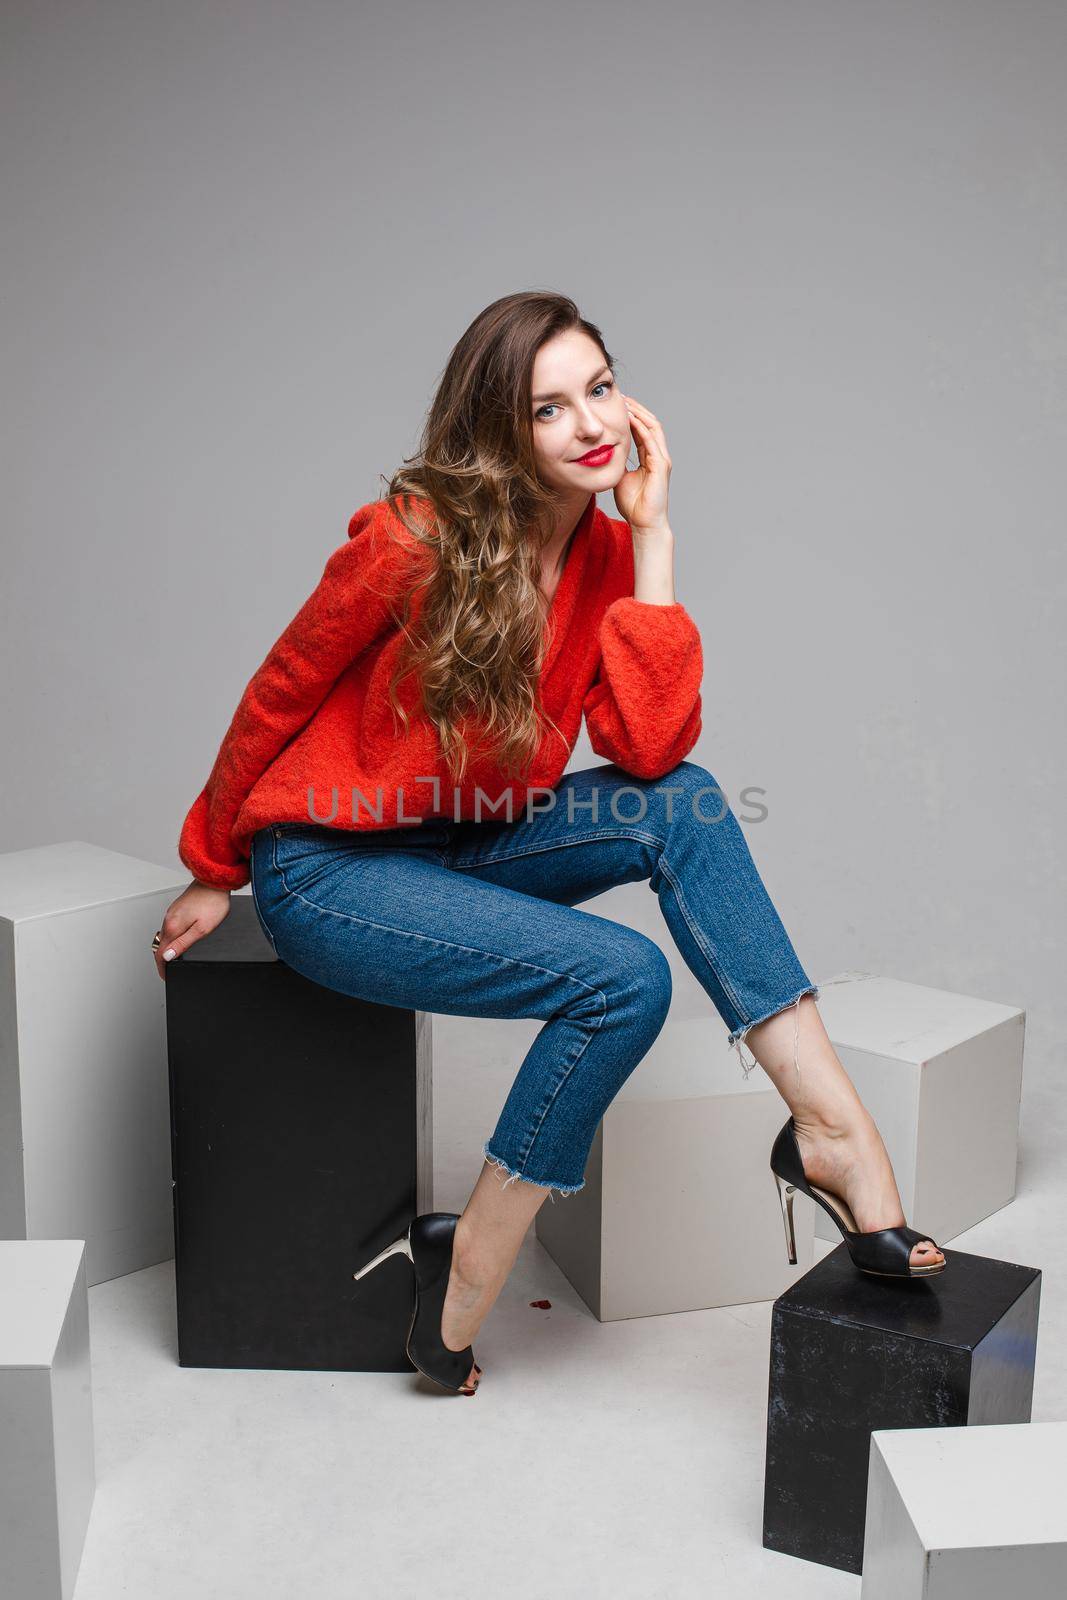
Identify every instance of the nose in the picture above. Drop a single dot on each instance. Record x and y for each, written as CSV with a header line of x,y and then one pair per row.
x,y
589,424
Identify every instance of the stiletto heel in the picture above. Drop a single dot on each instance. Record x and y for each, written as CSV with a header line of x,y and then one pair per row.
x,y
428,1244
885,1253
399,1247
785,1199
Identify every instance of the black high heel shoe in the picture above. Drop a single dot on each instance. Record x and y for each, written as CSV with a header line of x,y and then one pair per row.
x,y
427,1243
884,1254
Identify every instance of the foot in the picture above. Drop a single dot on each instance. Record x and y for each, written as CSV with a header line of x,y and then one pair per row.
x,y
849,1159
468,1299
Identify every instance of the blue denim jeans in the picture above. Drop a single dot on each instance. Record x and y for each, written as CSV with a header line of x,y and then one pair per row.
x,y
478,919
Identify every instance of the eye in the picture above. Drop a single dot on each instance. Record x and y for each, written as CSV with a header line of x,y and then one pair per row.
x,y
605,383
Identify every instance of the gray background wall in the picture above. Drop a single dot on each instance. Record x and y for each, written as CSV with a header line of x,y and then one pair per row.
x,y
826,242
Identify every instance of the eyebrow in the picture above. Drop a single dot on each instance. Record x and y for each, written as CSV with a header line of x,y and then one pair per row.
x,y
539,399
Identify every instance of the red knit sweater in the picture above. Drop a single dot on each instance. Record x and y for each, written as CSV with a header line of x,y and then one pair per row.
x,y
312,738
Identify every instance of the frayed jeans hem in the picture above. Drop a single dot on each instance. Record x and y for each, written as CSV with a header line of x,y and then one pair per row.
x,y
561,1188
736,1035
739,1033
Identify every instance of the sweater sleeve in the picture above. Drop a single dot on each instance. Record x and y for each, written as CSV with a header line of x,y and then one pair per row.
x,y
643,710
346,611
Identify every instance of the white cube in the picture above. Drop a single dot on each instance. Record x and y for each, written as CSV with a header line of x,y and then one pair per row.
x,y
680,1211
971,1513
941,1074
84,1089
47,1469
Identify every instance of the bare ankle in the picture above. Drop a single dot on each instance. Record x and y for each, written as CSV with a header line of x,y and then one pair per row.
x,y
842,1119
469,1261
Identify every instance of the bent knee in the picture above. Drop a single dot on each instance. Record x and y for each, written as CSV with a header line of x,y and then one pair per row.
x,y
648,981
704,795
692,776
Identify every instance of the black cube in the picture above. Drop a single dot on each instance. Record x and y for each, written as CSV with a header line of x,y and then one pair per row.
x,y
301,1146
850,1354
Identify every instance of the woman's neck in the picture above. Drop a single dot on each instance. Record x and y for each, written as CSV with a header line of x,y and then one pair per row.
x,y
554,554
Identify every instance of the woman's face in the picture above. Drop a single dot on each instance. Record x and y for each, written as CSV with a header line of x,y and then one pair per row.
x,y
577,409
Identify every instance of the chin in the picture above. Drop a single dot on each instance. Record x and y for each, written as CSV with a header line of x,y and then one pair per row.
x,y
605,478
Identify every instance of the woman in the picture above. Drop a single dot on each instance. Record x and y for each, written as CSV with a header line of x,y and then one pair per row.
x,y
458,637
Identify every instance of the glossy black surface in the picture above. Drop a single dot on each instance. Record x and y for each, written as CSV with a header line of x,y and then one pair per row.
x,y
850,1354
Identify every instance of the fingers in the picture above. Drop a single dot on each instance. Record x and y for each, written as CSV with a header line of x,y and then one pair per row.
x,y
650,429
632,401
650,443
178,931
170,949
643,412
192,916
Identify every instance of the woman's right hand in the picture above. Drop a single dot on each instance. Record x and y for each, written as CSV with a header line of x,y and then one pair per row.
x,y
197,911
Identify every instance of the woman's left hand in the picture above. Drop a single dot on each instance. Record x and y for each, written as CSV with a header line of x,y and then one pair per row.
x,y
641,492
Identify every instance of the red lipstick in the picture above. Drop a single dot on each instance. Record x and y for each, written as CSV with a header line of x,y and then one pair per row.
x,y
596,458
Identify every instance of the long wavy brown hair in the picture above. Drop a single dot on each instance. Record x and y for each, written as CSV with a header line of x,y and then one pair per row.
x,y
480,640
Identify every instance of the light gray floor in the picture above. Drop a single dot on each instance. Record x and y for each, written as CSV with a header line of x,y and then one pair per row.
x,y
622,1460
